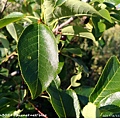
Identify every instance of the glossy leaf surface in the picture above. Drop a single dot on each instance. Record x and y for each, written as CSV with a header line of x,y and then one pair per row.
x,y
38,57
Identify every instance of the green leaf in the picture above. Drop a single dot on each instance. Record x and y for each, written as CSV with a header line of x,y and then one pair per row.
x,y
4,102
38,57
105,14
4,72
90,111
111,99
65,103
110,105
81,63
84,90
59,2
79,31
67,9
74,80
108,82
113,1
12,17
61,64
14,30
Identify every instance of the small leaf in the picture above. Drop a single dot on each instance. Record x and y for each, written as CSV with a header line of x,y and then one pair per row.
x,y
12,17
90,111
38,57
4,72
74,80
65,103
59,2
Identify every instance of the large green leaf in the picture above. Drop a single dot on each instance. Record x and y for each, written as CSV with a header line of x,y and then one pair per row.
x,y
38,57
65,103
67,9
12,17
108,82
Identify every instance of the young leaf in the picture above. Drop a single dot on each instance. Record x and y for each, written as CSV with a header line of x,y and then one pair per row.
x,y
38,57
74,80
108,82
90,111
65,103
12,17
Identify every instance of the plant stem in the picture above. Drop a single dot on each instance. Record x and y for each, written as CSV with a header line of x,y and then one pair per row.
x,y
3,9
38,111
57,29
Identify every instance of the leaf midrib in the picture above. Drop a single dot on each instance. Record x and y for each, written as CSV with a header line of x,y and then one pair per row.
x,y
106,85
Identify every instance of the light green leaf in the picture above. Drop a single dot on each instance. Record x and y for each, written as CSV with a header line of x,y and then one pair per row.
x,y
90,111
74,80
79,31
67,9
59,2
12,17
105,14
38,57
108,82
15,30
65,103
11,29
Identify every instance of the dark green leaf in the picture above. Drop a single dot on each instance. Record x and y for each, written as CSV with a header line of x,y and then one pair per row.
x,y
65,103
4,72
12,17
81,63
38,57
